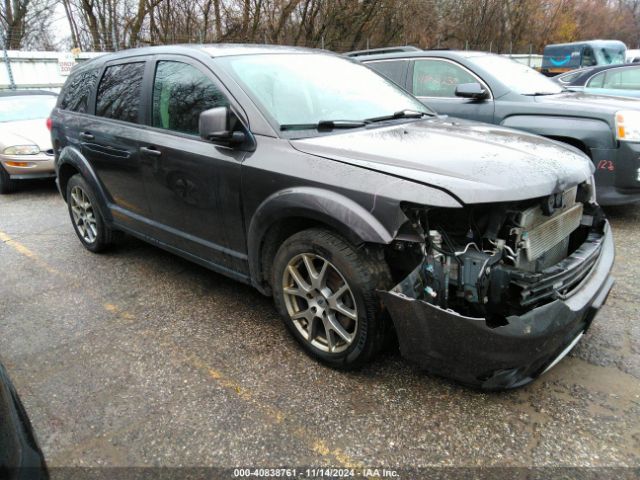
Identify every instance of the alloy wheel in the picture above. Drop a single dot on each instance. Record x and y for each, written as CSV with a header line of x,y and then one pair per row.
x,y
83,215
320,302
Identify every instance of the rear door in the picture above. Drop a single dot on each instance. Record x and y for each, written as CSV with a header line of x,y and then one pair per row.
x,y
192,184
434,82
109,139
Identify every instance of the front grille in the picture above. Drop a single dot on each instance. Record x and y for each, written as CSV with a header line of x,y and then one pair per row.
x,y
49,152
547,235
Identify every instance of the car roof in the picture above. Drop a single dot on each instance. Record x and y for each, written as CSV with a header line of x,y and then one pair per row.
x,y
209,50
16,93
585,73
452,54
597,42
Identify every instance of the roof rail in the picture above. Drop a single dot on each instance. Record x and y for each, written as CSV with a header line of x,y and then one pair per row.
x,y
376,51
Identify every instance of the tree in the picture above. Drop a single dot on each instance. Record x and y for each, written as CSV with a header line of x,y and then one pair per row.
x,y
21,19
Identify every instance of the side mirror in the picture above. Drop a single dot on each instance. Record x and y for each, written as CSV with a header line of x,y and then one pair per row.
x,y
217,125
471,90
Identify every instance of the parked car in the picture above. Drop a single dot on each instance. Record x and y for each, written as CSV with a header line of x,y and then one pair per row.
x,y
25,141
611,80
493,89
633,56
328,187
20,456
562,57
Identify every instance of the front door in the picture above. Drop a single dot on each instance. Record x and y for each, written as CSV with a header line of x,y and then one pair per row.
x,y
434,82
193,185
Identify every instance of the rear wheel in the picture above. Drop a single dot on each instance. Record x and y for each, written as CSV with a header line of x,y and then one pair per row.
x,y
87,221
6,184
324,288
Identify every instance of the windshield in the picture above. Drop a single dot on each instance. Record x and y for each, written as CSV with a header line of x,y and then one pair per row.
x,y
610,56
28,107
518,77
306,89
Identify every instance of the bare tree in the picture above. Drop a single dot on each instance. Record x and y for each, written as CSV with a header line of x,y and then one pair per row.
x,y
499,25
21,19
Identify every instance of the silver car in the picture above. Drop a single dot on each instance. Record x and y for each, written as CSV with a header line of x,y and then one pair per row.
x,y
25,141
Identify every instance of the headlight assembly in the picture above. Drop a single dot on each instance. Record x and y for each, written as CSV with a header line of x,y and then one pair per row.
x,y
22,150
628,126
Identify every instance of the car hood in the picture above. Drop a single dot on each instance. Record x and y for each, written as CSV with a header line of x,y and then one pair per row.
x,y
25,132
477,163
585,103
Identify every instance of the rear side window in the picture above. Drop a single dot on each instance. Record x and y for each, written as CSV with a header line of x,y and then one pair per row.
x,y
75,95
394,71
623,79
570,77
119,92
181,93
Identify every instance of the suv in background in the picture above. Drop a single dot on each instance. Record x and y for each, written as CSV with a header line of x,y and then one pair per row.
x,y
328,187
494,89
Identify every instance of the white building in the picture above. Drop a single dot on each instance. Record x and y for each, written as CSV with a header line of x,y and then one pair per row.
x,y
43,70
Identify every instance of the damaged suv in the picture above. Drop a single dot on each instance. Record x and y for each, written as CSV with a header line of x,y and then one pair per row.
x,y
362,212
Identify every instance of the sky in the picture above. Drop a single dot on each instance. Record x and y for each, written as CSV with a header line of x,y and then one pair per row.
x,y
60,24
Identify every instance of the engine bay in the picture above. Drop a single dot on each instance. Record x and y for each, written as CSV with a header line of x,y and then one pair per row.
x,y
496,260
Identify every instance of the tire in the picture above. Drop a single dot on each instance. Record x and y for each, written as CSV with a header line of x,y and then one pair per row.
x,y
85,216
6,184
315,303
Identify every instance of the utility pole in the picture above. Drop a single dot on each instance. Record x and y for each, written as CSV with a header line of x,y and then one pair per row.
x,y
7,63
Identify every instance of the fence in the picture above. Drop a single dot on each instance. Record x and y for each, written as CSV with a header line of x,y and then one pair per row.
x,y
41,70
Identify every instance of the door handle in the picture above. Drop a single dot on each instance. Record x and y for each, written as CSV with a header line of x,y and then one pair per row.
x,y
151,151
86,136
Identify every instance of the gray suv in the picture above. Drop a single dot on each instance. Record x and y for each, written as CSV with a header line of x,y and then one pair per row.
x,y
494,89
365,215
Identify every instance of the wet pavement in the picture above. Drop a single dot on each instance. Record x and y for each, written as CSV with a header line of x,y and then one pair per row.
x,y
136,357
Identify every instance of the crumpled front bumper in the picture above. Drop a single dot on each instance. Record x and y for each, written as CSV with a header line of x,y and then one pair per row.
x,y
467,350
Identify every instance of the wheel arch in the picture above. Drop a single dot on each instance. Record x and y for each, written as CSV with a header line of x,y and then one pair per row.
x,y
582,133
71,162
288,212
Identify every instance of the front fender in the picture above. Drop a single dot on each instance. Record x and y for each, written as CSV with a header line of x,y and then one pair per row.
x,y
591,132
73,157
339,212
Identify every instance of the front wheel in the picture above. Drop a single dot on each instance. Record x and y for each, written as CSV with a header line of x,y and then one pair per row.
x,y
6,184
87,221
324,288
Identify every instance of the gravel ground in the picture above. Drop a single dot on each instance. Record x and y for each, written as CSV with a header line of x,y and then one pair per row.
x,y
139,358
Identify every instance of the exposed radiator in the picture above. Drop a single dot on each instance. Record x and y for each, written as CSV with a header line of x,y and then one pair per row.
x,y
545,236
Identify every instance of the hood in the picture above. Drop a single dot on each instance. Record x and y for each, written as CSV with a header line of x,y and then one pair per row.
x,y
477,163
587,103
25,132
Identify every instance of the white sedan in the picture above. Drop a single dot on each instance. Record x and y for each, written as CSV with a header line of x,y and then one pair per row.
x,y
25,141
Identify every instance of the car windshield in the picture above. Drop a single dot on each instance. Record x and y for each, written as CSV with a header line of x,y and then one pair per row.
x,y
26,107
518,77
610,56
307,89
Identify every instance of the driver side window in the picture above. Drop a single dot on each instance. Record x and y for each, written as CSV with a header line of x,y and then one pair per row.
x,y
597,81
181,93
438,78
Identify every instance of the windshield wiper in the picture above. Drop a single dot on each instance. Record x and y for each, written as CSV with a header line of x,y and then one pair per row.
x,y
324,125
400,114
